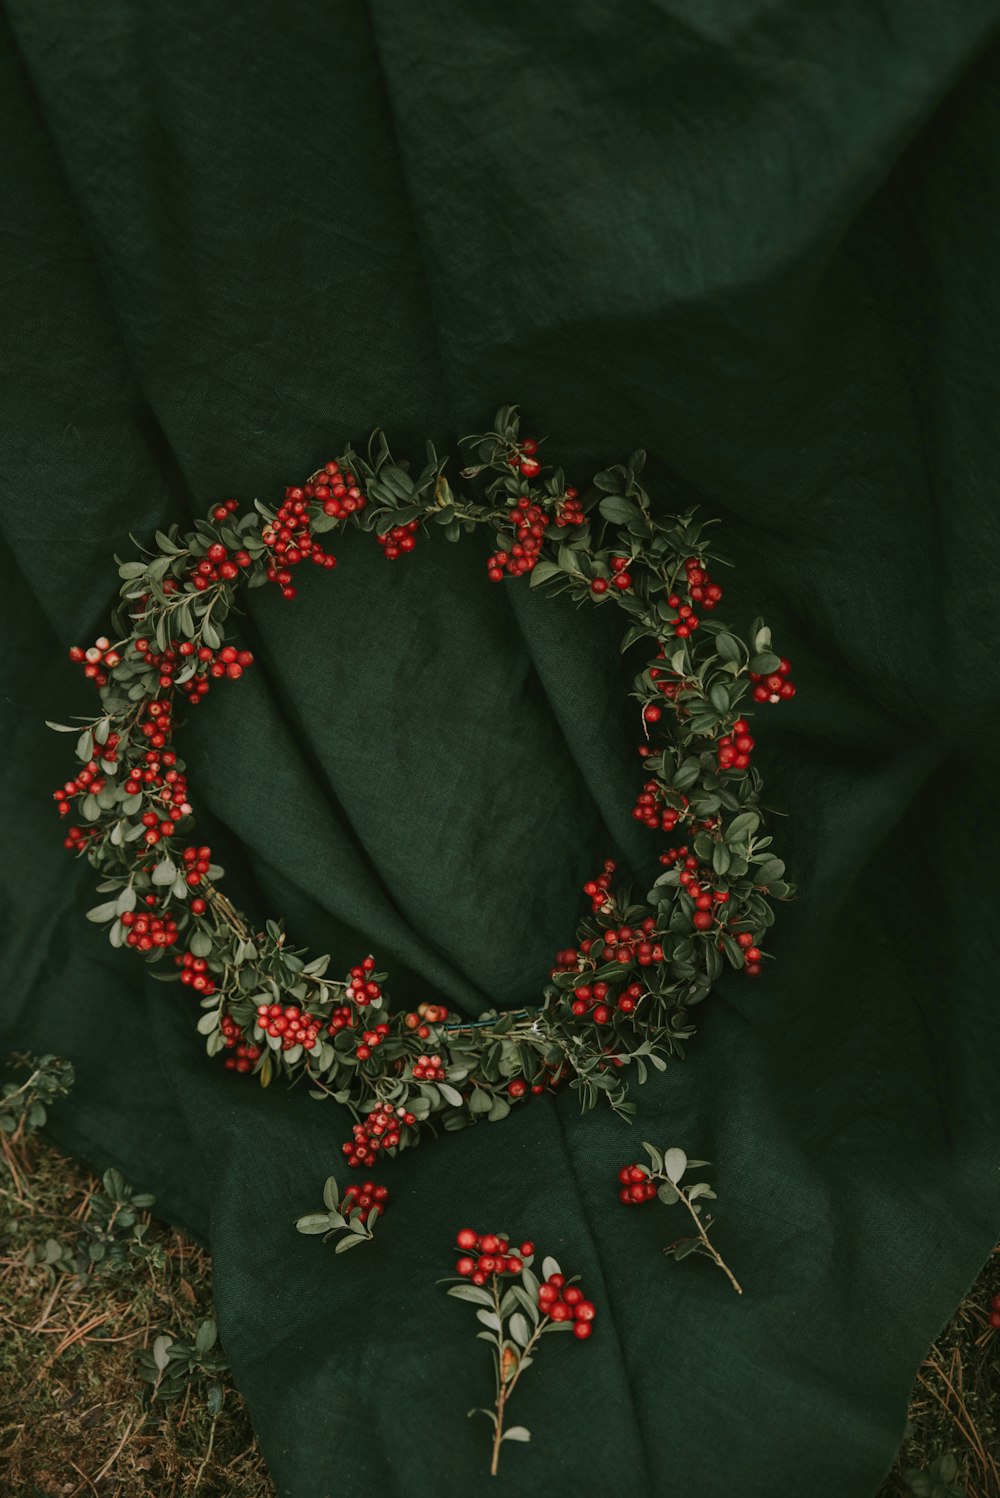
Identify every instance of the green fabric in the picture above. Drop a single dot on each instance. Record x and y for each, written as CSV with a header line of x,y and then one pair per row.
x,y
758,239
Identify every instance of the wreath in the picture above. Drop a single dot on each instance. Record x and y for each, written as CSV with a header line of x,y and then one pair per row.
x,y
617,1001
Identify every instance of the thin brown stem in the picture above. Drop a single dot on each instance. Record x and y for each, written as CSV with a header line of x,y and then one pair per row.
x,y
710,1248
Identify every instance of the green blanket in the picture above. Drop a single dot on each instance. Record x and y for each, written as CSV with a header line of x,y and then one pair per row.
x,y
758,239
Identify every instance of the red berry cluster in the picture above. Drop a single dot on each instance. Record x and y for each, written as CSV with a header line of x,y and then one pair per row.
x,y
423,1017
289,1021
380,1130
228,662
562,1302
156,724
146,931
370,1040
88,780
700,586
94,659
160,780
194,973
197,863
343,1017
402,538
428,1069
290,541
775,687
337,492
649,808
484,1254
529,530
706,899
751,954
733,751
636,1185
622,578
361,990
995,1312
523,458
78,837
569,510
224,510
217,566
599,889
232,1039
364,1198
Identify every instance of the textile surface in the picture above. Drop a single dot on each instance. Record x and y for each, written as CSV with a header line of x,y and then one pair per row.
x,y
756,238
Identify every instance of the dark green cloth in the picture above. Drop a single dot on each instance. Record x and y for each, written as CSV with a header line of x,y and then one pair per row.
x,y
759,239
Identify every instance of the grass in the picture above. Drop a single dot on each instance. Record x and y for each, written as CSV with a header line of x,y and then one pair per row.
x,y
111,1382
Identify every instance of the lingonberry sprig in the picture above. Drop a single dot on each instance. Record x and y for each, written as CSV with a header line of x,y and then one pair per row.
x,y
517,1310
354,1213
661,1180
618,999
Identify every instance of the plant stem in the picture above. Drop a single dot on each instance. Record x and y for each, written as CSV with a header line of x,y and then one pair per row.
x,y
709,1246
505,1386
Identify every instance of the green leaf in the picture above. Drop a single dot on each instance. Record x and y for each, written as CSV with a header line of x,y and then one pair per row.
x,y
126,900
314,1222
550,1267
331,1194
768,871
764,663
105,912
471,1293
450,1094
351,1241
210,635
489,1319
542,572
206,1337
618,509
719,697
675,1164
519,1329
517,1433
741,827
161,1352
208,1022
667,1195
727,647
164,873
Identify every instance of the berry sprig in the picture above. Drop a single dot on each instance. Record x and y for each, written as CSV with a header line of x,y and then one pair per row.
x,y
354,1214
517,1310
618,999
661,1180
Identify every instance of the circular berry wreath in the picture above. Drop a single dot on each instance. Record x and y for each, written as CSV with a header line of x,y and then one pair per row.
x,y
616,1001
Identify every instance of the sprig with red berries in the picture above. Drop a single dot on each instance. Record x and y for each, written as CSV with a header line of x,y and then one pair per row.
x,y
619,999
661,1180
517,1310
354,1213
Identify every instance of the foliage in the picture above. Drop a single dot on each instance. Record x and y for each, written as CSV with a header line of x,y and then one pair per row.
x,y
271,1007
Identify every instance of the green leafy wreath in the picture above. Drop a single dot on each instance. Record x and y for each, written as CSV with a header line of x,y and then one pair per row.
x,y
617,1001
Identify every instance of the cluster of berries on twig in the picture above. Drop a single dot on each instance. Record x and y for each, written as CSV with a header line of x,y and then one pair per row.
x,y
517,1309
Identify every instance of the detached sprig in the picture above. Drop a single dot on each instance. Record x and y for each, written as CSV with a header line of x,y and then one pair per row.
x,y
662,1179
516,1310
354,1214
